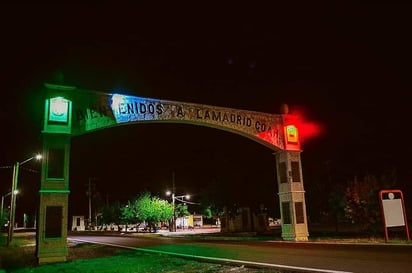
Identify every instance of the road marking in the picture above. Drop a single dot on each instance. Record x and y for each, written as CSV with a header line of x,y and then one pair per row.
x,y
275,266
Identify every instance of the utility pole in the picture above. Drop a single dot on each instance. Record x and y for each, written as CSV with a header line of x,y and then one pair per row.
x,y
90,195
178,198
13,202
173,202
90,202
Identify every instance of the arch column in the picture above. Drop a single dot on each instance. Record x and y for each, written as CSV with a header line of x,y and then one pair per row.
x,y
51,237
291,196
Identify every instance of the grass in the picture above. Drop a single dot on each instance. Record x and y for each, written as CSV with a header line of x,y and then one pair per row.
x,y
19,257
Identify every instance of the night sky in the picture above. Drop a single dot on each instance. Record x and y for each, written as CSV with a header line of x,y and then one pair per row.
x,y
345,67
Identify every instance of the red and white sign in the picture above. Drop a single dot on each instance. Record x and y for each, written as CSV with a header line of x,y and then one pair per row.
x,y
393,210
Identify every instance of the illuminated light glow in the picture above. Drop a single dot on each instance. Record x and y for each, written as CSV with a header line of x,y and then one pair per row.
x,y
311,130
291,137
129,108
59,108
291,134
307,130
272,136
117,100
118,105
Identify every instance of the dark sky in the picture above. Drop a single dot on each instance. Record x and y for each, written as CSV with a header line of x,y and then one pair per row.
x,y
344,66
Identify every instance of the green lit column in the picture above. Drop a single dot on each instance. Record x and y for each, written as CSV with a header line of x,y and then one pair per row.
x,y
51,240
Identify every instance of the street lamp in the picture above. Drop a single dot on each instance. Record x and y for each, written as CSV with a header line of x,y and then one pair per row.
x,y
2,204
13,196
178,198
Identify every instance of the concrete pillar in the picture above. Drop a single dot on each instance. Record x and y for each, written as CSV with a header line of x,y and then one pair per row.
x,y
51,239
53,207
291,196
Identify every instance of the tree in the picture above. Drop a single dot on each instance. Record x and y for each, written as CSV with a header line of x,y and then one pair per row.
x,y
210,205
164,210
98,206
336,203
147,208
181,210
112,214
362,202
207,212
129,213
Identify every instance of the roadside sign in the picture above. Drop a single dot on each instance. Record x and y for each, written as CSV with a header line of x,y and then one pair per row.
x,y
393,211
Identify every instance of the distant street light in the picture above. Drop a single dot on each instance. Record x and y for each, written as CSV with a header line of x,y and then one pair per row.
x,y
2,203
179,198
174,197
13,196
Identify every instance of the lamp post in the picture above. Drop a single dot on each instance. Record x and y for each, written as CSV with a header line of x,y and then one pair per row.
x,y
178,198
2,203
174,197
13,196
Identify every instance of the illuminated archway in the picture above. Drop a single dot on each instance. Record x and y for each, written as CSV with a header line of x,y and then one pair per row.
x,y
70,111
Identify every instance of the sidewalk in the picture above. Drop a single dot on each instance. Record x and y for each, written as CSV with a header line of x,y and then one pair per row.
x,y
203,230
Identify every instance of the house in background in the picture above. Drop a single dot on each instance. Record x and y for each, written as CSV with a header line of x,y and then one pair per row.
x,y
78,223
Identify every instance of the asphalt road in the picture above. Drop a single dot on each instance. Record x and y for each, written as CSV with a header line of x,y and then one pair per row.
x,y
290,256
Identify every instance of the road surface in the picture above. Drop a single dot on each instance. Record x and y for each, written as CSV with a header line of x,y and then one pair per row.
x,y
293,256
